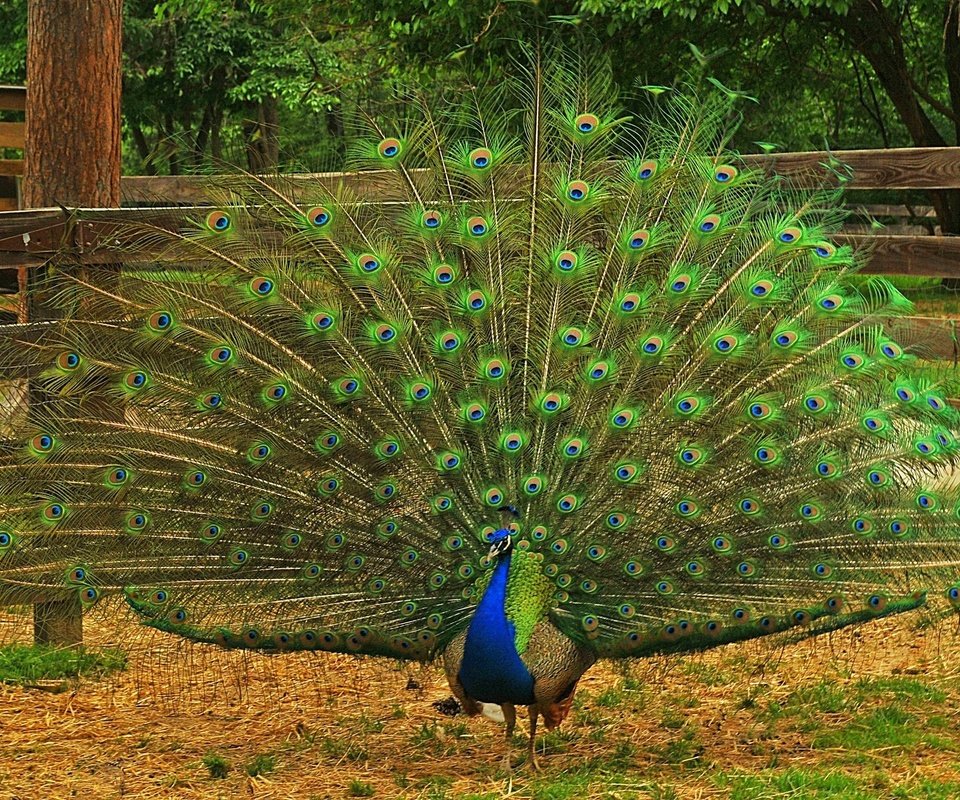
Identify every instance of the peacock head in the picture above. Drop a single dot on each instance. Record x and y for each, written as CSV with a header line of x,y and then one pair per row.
x,y
501,542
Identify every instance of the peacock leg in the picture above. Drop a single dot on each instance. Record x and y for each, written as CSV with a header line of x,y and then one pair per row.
x,y
510,717
532,744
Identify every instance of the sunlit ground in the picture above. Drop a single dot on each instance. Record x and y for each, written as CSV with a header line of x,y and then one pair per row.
x,y
860,714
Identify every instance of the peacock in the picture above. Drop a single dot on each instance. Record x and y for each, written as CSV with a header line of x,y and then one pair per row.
x,y
539,382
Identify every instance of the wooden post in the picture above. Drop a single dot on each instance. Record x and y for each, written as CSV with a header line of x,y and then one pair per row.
x,y
72,157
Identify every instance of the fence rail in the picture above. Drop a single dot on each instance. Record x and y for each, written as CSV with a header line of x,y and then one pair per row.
x,y
29,238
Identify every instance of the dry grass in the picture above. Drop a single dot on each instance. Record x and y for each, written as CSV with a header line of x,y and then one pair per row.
x,y
869,713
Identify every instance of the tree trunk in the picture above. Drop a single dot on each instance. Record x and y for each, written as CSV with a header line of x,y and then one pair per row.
x,y
874,33
72,157
73,112
263,140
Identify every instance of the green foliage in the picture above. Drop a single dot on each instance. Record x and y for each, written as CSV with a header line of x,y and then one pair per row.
x,y
358,788
263,764
25,664
218,766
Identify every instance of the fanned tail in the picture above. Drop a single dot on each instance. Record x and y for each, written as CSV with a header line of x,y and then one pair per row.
x,y
296,429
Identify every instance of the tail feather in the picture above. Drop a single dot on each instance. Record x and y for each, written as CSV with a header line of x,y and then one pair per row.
x,y
298,429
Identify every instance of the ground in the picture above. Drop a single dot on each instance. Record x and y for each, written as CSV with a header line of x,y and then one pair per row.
x,y
865,714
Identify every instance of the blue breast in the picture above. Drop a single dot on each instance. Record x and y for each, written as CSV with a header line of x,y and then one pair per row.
x,y
492,671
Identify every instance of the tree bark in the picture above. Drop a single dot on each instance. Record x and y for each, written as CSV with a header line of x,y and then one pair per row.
x,y
263,139
73,111
72,157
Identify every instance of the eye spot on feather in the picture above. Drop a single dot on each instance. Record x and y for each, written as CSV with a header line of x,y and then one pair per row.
x,y
623,418
533,485
160,321
389,148
318,217
722,544
891,350
512,442
117,477
323,321
420,391
761,288
68,361
899,527
449,461
586,123
368,263
789,235
852,360
824,250
633,568
218,221
328,485
262,287
652,345
726,344
477,226
778,541
766,455
42,443
709,224
877,602
647,169
638,239
577,191
481,158
431,219
615,520
749,506
695,569
687,508
746,569
262,510
785,339
953,595
551,402
831,302
567,261
680,283
476,301
666,544
724,173
688,405
137,521
444,274
136,379
385,332
926,502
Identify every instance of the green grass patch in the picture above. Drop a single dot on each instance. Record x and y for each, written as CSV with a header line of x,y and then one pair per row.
x,y
888,727
217,765
805,784
798,784
24,665
262,764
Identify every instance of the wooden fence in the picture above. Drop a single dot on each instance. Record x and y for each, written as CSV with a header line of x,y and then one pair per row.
x,y
30,237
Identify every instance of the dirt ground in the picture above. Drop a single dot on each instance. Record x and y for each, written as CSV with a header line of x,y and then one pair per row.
x,y
335,726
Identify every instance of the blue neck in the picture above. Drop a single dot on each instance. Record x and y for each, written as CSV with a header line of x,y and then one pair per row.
x,y
492,671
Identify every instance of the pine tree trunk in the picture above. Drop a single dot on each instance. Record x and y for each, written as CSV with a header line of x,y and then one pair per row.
x,y
72,156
